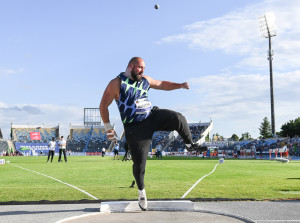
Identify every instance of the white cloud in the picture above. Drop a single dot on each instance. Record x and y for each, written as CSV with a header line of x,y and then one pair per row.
x,y
237,33
47,114
239,103
232,33
9,72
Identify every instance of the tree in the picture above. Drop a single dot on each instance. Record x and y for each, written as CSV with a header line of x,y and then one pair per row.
x,y
291,128
245,136
234,137
207,138
217,137
265,129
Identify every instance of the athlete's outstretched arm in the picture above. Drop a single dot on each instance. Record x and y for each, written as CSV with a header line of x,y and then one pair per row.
x,y
166,85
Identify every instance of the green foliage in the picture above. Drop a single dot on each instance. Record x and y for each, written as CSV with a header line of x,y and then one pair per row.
x,y
265,129
291,128
207,138
168,178
234,137
245,136
218,137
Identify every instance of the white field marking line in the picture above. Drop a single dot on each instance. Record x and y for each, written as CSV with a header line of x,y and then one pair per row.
x,y
79,216
57,181
278,221
199,181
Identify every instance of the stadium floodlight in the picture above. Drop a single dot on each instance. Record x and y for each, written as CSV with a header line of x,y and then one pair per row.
x,y
267,28
267,25
92,117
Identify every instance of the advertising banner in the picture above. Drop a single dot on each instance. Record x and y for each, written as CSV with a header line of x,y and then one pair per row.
x,y
35,135
35,148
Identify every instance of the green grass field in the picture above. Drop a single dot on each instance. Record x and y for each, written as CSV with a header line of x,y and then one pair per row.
x,y
169,178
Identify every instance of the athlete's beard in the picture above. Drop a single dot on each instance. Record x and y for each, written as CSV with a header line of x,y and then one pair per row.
x,y
135,76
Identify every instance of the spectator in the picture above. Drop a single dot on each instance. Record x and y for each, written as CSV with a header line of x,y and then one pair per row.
x,y
238,150
103,152
158,152
116,151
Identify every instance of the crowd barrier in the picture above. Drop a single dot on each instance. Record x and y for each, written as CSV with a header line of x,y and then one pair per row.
x,y
282,152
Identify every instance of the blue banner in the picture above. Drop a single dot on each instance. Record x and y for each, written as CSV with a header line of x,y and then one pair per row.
x,y
36,147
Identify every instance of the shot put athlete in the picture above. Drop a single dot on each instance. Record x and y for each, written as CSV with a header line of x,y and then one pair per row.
x,y
130,91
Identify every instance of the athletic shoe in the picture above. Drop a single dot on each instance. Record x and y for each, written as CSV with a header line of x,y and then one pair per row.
x,y
192,148
196,148
132,184
143,200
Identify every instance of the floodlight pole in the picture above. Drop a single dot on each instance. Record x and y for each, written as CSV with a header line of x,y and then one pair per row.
x,y
270,58
271,86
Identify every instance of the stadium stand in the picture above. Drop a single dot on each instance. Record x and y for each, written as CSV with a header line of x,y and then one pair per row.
x,y
33,133
257,148
161,138
87,139
170,143
91,139
33,137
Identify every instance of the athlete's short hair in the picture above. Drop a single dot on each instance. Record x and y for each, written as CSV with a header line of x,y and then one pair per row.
x,y
134,60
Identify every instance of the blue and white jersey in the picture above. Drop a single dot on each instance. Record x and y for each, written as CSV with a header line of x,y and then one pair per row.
x,y
133,101
116,147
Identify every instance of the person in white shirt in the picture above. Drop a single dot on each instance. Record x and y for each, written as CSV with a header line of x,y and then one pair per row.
x,y
158,152
103,152
51,146
62,148
116,151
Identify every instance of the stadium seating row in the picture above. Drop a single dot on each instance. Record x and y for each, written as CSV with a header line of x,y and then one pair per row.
x,y
93,138
177,144
90,139
23,134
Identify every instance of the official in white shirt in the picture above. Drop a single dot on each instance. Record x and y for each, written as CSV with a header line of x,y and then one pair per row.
x,y
62,148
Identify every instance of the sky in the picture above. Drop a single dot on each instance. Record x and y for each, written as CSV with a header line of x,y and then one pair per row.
x,y
57,57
